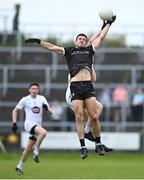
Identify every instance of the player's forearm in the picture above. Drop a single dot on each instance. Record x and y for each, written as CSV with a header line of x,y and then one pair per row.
x,y
104,31
52,47
96,35
50,111
97,42
93,38
47,45
14,116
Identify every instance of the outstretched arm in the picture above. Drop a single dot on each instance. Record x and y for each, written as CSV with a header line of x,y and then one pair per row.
x,y
46,45
104,30
92,38
95,35
52,47
97,42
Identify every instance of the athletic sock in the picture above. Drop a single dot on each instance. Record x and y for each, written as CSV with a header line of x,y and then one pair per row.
x,y
87,127
36,150
82,142
20,165
98,139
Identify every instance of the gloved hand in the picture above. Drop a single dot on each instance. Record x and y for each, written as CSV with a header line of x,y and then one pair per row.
x,y
111,20
104,24
108,22
45,107
14,127
33,40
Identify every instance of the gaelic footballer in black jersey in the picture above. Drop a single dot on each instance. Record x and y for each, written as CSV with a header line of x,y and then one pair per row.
x,y
77,59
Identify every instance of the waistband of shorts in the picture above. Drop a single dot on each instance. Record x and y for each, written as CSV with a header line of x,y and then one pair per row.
x,y
80,82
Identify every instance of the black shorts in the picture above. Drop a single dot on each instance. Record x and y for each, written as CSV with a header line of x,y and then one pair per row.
x,y
32,131
82,90
33,134
33,138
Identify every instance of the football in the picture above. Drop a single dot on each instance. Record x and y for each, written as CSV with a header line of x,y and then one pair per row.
x,y
105,13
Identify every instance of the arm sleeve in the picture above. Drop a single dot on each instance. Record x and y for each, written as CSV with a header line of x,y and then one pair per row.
x,y
21,104
66,52
93,67
91,49
45,102
69,77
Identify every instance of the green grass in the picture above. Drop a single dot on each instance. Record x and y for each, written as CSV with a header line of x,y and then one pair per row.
x,y
70,166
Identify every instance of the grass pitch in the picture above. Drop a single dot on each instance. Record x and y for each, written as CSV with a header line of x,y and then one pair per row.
x,y
70,166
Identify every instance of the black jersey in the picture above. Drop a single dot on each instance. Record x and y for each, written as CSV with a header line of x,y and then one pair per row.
x,y
79,58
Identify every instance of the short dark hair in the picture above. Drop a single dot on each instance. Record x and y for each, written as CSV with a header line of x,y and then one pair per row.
x,y
34,84
81,34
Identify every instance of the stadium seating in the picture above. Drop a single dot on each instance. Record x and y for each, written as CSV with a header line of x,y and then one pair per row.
x,y
37,65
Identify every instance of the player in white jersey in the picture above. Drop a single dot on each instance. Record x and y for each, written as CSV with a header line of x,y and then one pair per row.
x,y
33,105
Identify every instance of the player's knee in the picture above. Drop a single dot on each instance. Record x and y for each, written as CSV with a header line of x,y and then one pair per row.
x,y
93,114
79,117
100,107
44,133
94,117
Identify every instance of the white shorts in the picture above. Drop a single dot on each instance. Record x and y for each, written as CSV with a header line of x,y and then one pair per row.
x,y
68,96
29,125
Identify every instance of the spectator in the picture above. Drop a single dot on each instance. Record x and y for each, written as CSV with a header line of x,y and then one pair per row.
x,y
105,97
119,97
138,105
57,112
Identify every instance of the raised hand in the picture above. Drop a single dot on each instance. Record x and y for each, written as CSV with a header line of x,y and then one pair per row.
x,y
111,20
14,127
33,40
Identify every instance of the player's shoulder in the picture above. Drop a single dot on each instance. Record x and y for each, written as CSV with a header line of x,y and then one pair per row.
x,y
25,97
90,48
69,49
39,96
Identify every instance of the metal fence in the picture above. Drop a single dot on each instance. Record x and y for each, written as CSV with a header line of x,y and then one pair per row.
x,y
108,123
48,84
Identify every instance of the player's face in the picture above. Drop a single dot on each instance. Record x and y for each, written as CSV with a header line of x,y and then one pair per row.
x,y
81,41
33,90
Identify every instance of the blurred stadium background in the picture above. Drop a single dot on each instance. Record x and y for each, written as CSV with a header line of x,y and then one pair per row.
x,y
119,65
